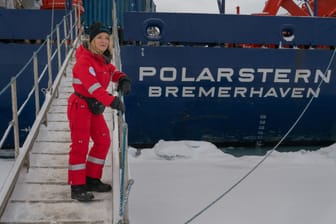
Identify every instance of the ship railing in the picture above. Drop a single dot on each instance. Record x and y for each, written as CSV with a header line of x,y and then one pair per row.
x,y
56,48
120,169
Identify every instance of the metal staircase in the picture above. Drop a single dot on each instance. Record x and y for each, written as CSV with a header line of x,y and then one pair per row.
x,y
41,194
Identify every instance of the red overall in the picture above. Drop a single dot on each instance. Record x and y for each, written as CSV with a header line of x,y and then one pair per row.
x,y
91,77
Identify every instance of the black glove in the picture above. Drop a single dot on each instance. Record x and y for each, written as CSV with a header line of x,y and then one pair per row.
x,y
124,85
118,104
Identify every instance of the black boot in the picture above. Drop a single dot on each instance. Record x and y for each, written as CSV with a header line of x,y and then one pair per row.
x,y
93,184
80,193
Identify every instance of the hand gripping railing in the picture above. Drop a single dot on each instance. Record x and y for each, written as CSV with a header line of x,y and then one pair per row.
x,y
70,30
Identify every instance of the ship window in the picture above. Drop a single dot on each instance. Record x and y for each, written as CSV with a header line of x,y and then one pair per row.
x,y
153,29
287,34
153,32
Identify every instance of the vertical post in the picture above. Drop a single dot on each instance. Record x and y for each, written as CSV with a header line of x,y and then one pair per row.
x,y
221,6
65,34
115,169
78,20
15,117
70,28
49,63
58,47
125,178
36,86
113,146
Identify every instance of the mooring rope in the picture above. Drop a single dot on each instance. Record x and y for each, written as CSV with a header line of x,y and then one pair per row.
x,y
267,154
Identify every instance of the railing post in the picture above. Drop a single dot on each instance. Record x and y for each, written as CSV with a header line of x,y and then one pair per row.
x,y
15,117
70,28
36,85
49,63
65,34
58,46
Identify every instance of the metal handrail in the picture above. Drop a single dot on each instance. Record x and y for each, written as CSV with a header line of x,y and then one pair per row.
x,y
67,21
22,153
115,134
121,173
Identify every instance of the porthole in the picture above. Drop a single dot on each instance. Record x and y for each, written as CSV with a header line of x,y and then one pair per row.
x,y
153,29
288,34
153,32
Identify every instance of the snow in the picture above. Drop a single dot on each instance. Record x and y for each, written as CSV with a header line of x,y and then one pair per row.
x,y
175,180
5,166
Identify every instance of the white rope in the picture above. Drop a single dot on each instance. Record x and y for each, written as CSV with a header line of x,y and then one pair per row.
x,y
267,154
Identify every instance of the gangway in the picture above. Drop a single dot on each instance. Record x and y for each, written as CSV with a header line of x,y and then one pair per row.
x,y
41,194
36,189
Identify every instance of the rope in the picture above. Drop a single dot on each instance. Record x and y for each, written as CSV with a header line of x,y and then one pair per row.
x,y
267,154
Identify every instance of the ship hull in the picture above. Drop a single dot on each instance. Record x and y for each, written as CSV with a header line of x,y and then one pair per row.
x,y
231,80
229,95
243,84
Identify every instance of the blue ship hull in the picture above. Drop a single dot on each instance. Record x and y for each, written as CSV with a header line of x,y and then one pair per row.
x,y
226,96
232,80
190,82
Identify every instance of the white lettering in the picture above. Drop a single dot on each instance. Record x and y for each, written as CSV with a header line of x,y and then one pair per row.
x,y
246,75
203,92
240,91
224,92
188,91
228,92
281,75
284,93
225,73
264,72
271,93
297,92
256,92
168,74
320,74
146,71
171,90
312,93
231,77
184,76
154,91
205,75
302,74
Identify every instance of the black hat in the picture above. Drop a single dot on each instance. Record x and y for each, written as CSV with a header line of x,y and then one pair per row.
x,y
97,28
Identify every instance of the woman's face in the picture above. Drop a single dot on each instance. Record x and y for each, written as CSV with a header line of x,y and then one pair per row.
x,y
101,42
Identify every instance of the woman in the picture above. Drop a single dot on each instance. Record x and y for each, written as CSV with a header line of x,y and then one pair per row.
x,y
92,74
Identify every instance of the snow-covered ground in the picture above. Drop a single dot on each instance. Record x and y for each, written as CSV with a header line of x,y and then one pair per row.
x,y
5,166
174,181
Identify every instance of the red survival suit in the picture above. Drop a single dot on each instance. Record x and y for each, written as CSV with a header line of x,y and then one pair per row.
x,y
92,74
